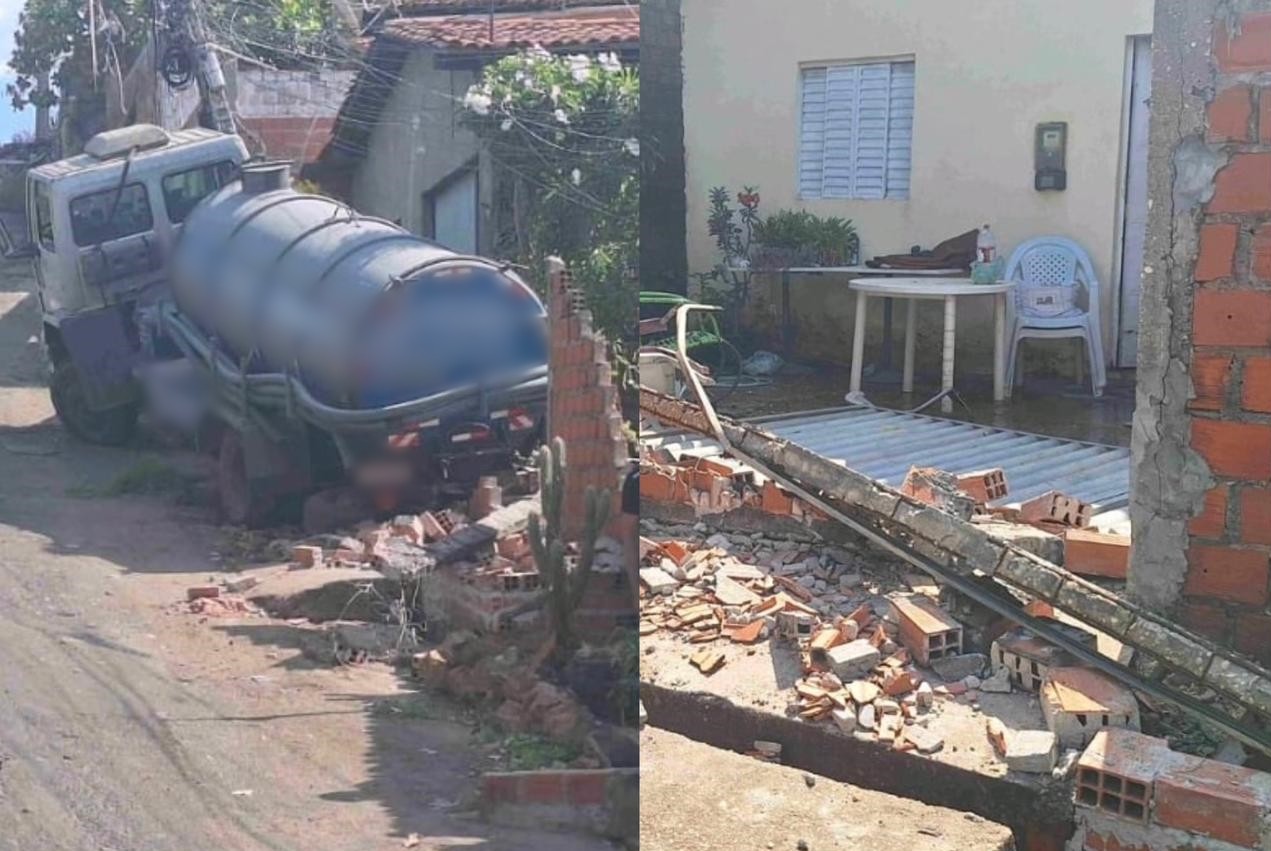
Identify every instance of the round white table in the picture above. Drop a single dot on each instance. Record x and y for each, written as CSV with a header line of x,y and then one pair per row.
x,y
949,290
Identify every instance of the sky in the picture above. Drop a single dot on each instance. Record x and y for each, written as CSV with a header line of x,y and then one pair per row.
x,y
10,121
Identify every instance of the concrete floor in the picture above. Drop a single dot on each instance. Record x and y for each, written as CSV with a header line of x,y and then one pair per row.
x,y
1048,405
694,797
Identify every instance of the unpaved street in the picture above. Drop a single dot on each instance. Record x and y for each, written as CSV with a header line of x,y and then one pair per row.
x,y
127,723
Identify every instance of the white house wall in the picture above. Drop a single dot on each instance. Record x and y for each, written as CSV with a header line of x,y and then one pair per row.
x,y
987,72
416,143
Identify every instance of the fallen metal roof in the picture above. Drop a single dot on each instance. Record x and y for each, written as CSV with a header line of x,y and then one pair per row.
x,y
884,444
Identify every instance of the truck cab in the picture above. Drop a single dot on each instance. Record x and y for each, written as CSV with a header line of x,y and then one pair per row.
x,y
103,224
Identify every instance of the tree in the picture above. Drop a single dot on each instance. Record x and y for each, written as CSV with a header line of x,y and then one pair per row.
x,y
561,131
55,36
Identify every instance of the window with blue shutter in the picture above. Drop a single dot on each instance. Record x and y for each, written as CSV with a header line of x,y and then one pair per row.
x,y
856,130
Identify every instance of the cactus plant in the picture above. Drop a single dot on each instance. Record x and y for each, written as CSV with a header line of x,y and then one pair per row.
x,y
565,583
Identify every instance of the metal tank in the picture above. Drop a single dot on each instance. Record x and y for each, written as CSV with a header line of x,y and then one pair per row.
x,y
361,312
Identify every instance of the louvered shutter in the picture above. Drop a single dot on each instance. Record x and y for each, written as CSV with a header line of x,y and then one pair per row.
x,y
812,132
856,131
900,129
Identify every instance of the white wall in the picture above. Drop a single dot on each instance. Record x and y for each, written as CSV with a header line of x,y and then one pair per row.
x,y
416,143
987,71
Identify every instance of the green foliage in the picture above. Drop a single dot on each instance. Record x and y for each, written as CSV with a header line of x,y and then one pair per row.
x,y
53,36
798,237
565,582
529,752
733,228
561,131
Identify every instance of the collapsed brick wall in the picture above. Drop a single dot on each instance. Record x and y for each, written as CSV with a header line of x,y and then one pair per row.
x,y
1202,437
582,403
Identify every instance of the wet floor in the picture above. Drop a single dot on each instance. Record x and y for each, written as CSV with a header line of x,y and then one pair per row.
x,y
1053,406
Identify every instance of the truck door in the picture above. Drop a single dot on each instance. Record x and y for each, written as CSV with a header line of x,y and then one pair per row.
x,y
40,223
114,233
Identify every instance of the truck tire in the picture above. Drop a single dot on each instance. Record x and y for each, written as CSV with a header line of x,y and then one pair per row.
x,y
241,502
111,427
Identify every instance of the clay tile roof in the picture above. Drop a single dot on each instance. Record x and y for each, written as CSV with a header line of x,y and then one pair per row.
x,y
580,28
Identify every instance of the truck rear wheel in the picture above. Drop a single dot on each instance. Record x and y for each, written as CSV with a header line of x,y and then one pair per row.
x,y
241,502
111,427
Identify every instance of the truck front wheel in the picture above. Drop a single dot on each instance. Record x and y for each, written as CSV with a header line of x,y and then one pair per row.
x,y
111,427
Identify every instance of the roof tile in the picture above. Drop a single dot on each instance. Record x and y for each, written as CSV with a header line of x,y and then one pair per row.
x,y
580,28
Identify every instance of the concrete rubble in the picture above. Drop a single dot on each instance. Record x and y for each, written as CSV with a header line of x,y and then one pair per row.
x,y
963,554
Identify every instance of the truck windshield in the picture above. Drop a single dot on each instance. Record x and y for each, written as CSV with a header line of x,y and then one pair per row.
x,y
185,189
92,224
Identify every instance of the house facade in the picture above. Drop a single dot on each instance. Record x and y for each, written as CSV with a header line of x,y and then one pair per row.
x,y
919,120
399,140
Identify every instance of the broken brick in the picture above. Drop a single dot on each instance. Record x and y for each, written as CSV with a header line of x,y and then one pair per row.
x,y
1055,507
304,555
983,486
199,592
1079,702
1091,553
707,661
408,526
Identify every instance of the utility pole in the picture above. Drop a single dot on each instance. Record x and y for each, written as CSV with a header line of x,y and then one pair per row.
x,y
211,80
43,127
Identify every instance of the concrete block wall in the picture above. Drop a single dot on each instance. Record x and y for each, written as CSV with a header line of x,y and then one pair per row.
x,y
1202,439
291,114
582,403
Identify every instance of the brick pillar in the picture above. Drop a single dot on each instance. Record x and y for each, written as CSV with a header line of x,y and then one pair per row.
x,y
1201,505
582,401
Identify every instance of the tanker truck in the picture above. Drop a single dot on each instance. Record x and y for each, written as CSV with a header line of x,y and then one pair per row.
x,y
310,345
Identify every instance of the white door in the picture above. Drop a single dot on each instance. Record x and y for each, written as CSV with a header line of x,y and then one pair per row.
x,y
455,214
1134,231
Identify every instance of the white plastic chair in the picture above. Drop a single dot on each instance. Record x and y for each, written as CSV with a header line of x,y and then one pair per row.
x,y
1057,296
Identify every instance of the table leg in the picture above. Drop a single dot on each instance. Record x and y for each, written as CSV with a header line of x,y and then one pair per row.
x,y
885,363
999,347
950,334
785,313
911,327
858,342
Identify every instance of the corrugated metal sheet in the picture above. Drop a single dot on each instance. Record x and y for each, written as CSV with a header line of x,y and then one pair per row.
x,y
885,444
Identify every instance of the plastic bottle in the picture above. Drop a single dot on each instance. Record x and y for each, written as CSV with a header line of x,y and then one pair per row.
x,y
986,245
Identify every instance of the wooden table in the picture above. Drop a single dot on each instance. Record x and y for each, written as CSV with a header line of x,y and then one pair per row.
x,y
949,290
860,271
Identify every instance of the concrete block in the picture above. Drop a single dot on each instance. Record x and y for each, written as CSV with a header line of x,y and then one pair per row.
x,y
658,580
957,668
1079,702
1031,751
852,659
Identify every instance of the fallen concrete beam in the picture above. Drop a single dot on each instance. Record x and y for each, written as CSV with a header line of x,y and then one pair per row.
x,y
955,551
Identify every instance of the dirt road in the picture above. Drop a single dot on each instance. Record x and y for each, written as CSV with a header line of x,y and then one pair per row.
x,y
128,724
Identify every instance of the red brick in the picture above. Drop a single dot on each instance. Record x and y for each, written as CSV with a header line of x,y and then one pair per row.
x,y
1237,450
1209,379
1212,520
1248,49
1232,318
499,788
1212,799
542,787
1226,573
1216,256
1260,248
1229,115
774,500
1255,516
1253,636
1208,620
1089,553
1095,841
585,788
1256,394
1243,185
657,486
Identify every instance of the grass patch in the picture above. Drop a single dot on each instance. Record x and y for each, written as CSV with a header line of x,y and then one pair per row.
x,y
148,477
529,752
